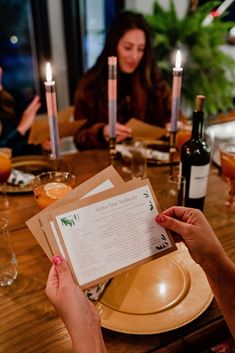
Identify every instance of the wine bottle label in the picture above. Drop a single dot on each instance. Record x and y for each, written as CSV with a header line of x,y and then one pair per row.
x,y
198,181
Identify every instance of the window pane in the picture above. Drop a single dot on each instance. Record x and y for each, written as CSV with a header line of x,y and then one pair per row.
x,y
16,50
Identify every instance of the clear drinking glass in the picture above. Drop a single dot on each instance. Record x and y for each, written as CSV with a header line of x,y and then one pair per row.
x,y
139,159
126,153
173,192
8,264
227,159
51,186
5,171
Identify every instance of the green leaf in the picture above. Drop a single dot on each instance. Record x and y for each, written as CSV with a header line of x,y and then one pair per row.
x,y
207,69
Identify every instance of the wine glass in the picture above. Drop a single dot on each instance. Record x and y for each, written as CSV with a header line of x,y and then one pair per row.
x,y
5,171
227,159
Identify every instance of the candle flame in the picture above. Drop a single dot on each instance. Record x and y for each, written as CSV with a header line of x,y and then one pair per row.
x,y
178,60
48,72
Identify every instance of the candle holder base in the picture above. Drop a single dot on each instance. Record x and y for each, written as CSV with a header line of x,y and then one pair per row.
x,y
59,165
112,149
172,150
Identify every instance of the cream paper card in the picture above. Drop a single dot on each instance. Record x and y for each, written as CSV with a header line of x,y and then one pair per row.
x,y
39,131
49,228
145,131
111,232
106,177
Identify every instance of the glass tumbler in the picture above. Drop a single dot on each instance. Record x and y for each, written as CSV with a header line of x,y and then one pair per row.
x,y
8,264
173,192
139,159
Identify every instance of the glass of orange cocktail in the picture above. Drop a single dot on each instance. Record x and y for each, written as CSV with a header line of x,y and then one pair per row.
x,y
51,186
227,159
5,171
183,135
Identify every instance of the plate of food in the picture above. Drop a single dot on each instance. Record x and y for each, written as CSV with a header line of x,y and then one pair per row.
x,y
24,168
157,152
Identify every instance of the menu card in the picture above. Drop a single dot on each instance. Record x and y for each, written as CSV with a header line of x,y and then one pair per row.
x,y
107,230
107,177
145,131
39,131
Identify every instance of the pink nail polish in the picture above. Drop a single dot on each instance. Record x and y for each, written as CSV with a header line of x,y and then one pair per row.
x,y
160,218
57,260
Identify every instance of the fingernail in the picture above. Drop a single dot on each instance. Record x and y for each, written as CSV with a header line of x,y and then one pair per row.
x,y
160,218
57,260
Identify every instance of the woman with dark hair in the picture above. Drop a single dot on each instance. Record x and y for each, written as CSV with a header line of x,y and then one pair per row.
x,y
141,91
14,134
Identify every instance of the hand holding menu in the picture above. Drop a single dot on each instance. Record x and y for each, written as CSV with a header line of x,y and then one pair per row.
x,y
110,232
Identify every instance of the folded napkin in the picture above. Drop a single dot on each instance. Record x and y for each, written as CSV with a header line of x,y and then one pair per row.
x,y
95,292
19,178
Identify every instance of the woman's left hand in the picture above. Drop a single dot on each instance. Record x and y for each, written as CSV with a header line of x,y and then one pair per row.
x,y
122,132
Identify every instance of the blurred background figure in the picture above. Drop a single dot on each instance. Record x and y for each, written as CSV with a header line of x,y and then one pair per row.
x,y
142,93
14,134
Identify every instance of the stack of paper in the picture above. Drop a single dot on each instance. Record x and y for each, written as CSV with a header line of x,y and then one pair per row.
x,y
103,227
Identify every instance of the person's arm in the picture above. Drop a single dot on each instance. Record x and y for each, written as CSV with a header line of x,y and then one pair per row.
x,y
28,116
207,251
77,312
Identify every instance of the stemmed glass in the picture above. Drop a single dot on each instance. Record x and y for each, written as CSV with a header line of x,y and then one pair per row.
x,y
227,159
5,171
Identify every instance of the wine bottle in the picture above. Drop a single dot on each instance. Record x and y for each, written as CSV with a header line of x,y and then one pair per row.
x,y
195,160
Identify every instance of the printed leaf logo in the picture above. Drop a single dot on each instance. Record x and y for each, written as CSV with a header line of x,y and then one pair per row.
x,y
164,243
146,195
67,221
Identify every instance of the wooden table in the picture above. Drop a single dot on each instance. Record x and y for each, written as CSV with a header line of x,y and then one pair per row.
x,y
28,323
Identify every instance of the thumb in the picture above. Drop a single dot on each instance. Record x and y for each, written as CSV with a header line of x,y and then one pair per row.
x,y
63,271
172,224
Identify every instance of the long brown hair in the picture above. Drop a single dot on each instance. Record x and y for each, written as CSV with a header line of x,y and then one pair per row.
x,y
145,80
126,21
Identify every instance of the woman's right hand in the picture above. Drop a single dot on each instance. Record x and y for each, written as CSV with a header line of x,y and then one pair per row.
x,y
122,132
29,115
195,231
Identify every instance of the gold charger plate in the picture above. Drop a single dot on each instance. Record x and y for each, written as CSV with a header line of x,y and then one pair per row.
x,y
159,296
28,164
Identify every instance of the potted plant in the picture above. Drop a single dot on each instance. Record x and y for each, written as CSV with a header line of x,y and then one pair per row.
x,y
207,69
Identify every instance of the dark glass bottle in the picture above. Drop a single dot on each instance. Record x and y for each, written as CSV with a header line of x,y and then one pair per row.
x,y
195,160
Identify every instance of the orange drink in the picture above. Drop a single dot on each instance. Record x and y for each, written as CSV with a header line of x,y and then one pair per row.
x,y
227,159
51,186
228,163
5,164
181,137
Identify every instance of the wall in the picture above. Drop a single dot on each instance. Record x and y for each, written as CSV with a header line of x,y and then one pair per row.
x,y
146,5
